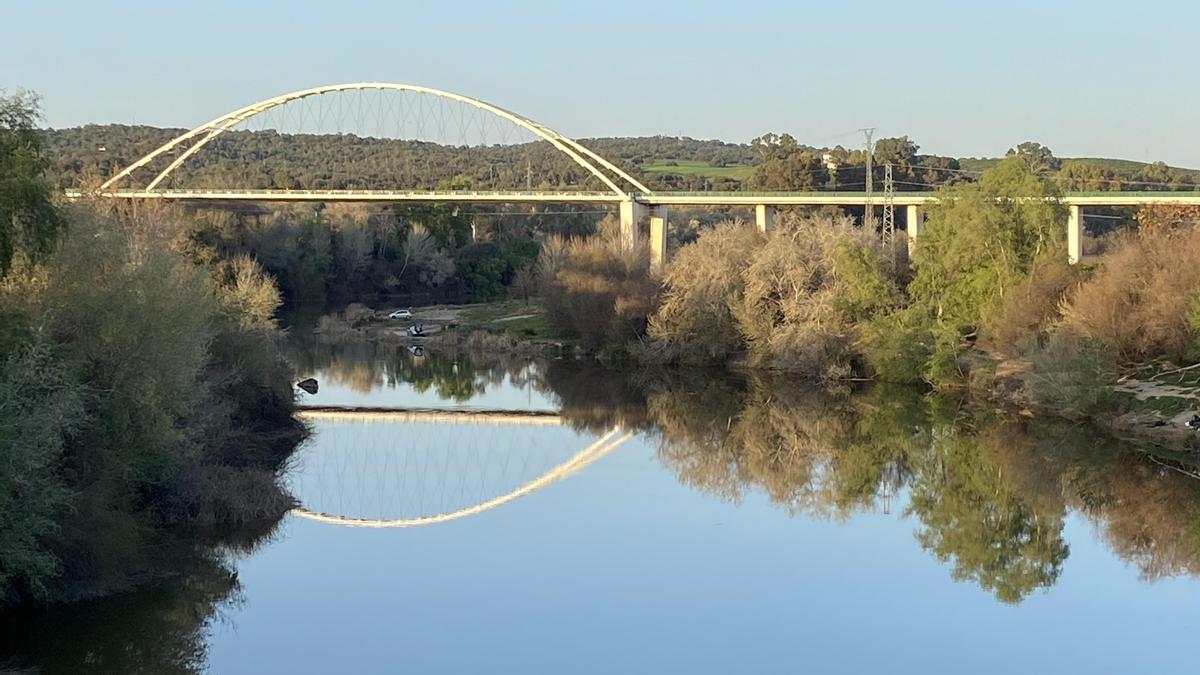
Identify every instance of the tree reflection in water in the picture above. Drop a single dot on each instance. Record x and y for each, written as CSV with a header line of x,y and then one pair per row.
x,y
989,492
162,627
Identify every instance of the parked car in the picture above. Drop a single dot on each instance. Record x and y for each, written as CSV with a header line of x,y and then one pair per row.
x,y
401,314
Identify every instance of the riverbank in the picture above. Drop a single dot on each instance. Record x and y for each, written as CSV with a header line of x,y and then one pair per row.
x,y
1156,404
1153,405
508,326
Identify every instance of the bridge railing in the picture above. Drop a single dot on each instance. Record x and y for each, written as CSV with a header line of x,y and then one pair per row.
x,y
833,194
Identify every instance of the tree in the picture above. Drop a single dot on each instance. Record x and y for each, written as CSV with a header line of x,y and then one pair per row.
x,y
1080,175
448,224
981,240
785,165
1156,176
898,151
524,283
28,220
1036,156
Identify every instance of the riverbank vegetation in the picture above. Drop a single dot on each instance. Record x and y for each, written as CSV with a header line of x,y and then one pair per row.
x,y
145,408
987,300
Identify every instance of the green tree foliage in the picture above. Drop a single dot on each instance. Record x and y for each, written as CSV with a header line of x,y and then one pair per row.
x,y
488,269
149,400
41,405
900,151
1038,158
139,326
448,224
28,220
981,241
783,165
982,238
1078,175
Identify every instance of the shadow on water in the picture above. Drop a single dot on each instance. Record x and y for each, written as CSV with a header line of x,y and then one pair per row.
x,y
161,627
988,494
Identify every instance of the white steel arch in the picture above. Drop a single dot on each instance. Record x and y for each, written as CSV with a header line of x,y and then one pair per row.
x,y
210,130
601,447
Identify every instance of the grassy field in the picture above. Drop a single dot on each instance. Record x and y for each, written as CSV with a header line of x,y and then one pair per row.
x,y
525,320
685,167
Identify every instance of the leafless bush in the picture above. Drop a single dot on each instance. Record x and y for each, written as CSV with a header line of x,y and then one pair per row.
x,y
695,322
1137,303
791,312
603,292
356,313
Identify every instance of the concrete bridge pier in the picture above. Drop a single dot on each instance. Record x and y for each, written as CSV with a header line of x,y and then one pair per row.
x,y
634,217
914,223
764,217
658,238
632,214
1075,234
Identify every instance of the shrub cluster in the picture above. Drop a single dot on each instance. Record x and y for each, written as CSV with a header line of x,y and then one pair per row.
x,y
791,300
599,290
142,399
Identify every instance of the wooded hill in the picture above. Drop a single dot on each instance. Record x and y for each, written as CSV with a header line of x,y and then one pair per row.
x,y
267,159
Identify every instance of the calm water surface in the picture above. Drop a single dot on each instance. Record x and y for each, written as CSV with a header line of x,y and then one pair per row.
x,y
672,523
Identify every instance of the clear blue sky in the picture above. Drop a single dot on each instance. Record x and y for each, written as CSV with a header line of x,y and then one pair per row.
x,y
961,78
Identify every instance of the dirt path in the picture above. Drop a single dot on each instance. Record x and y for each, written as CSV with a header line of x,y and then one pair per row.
x,y
514,318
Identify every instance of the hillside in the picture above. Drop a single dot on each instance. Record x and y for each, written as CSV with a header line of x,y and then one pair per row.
x,y
267,159
1125,167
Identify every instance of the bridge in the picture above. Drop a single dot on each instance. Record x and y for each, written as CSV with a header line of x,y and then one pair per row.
x,y
403,468
642,211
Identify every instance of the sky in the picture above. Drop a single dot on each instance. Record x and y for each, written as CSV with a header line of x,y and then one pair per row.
x,y
1096,78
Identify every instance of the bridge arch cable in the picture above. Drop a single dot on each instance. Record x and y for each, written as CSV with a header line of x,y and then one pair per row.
x,y
473,132
368,470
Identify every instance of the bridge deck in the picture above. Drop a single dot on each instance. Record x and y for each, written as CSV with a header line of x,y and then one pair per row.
x,y
568,197
454,416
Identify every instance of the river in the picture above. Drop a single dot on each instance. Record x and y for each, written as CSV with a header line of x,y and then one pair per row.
x,y
547,517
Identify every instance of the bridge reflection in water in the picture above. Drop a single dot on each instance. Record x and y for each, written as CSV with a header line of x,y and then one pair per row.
x,y
408,468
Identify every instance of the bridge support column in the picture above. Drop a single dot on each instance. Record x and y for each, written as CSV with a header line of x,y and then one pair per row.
x,y
658,238
764,218
633,213
1075,234
914,224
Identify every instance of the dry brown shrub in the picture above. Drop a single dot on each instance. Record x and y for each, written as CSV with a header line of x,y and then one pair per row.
x,y
1155,217
695,323
1030,308
603,292
789,313
357,313
1136,305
